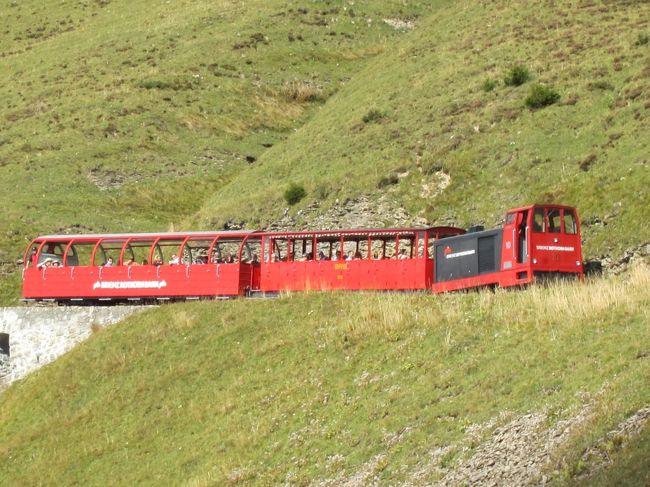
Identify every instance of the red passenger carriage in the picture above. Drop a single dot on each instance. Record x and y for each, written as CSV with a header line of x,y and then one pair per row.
x,y
141,265
388,259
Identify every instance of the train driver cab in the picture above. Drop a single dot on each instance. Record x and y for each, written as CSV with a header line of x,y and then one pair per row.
x,y
539,240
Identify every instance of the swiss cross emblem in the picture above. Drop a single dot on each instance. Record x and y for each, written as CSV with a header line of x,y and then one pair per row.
x,y
447,250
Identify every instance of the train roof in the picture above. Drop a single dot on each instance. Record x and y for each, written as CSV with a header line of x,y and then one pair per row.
x,y
363,232
541,205
378,232
151,235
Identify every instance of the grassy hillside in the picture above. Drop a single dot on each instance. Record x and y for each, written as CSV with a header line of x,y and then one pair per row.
x,y
404,388
433,115
126,116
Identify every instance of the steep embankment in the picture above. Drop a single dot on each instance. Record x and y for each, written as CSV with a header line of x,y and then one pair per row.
x,y
432,122
126,116
333,389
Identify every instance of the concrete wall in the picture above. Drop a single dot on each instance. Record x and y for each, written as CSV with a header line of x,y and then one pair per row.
x,y
39,335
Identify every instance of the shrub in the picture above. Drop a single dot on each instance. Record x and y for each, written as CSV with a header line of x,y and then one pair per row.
x,y
488,85
601,85
541,96
294,193
517,76
151,84
388,180
373,115
643,39
301,92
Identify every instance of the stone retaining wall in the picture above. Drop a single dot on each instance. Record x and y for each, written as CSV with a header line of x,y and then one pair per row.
x,y
39,335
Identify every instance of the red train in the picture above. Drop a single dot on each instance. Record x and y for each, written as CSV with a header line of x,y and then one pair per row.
x,y
535,241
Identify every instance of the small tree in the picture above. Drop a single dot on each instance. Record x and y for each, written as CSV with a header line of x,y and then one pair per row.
x,y
541,96
517,76
294,193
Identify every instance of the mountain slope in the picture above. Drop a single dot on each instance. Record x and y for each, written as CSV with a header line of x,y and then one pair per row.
x,y
343,389
126,116
433,115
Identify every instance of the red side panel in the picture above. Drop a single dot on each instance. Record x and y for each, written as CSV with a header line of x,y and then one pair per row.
x,y
389,274
136,281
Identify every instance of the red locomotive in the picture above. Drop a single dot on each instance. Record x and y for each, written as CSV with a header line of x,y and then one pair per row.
x,y
535,241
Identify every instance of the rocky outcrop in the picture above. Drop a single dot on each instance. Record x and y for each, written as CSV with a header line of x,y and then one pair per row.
x,y
362,212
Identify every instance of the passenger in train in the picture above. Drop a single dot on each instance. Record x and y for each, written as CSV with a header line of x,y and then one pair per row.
x,y
230,259
157,260
109,262
402,254
174,260
376,255
33,258
350,256
322,256
357,255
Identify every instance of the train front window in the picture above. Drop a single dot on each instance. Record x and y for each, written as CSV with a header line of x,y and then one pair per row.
x,y
554,221
539,224
570,226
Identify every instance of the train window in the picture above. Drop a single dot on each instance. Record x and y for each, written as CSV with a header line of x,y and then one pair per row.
x,y
109,249
82,252
554,221
196,251
252,251
539,224
52,253
336,251
363,249
301,249
323,249
350,249
420,249
227,251
570,225
137,252
279,251
405,248
166,251
378,248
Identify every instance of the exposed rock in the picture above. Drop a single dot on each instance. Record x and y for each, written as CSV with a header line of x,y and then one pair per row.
x,y
399,24
361,212
597,457
631,256
516,452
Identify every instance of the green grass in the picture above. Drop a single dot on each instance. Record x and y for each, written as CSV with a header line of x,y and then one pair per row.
x,y
220,105
438,117
128,116
314,386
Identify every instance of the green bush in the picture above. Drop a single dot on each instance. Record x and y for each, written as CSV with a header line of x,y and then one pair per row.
x,y
541,96
294,193
517,76
151,84
488,85
373,115
643,39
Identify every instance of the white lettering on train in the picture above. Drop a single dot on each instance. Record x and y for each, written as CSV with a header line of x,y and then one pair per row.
x,y
129,284
555,247
460,254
